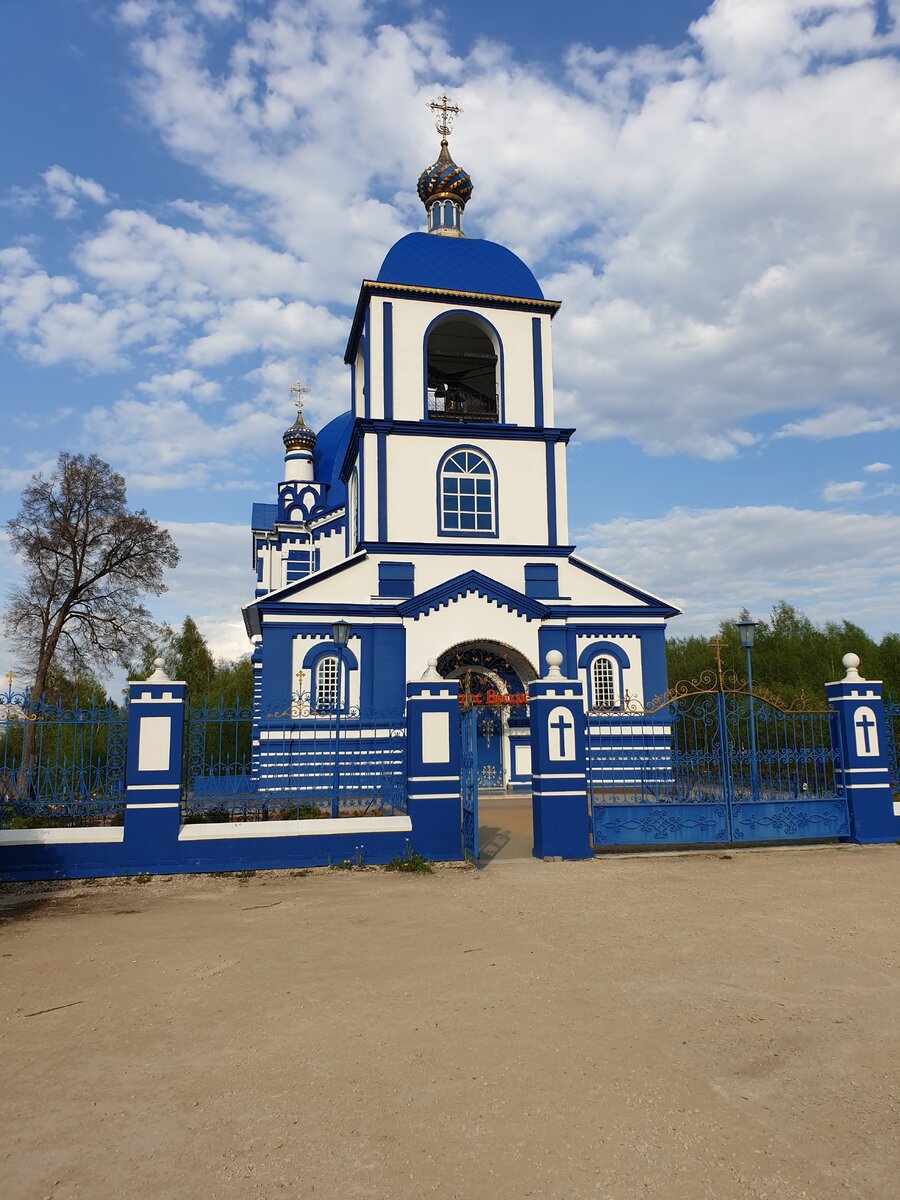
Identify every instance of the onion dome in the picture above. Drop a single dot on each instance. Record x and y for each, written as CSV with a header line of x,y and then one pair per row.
x,y
299,436
444,180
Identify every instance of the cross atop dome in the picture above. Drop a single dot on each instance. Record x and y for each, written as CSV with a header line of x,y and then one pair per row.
x,y
299,392
444,187
445,112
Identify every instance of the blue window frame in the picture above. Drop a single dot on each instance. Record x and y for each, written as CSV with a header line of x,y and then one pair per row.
x,y
467,494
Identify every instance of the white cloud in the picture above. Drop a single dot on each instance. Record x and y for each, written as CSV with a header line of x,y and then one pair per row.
x,y
211,583
730,262
845,421
834,492
712,562
876,468
64,190
183,382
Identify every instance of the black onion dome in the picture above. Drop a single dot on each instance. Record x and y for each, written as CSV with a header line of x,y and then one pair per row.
x,y
299,436
444,180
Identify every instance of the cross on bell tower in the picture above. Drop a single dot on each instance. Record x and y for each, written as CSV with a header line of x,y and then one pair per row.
x,y
445,113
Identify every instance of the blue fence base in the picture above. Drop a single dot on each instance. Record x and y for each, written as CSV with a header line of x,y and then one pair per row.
x,y
436,829
207,851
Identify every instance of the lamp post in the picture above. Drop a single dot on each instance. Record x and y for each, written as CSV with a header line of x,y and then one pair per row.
x,y
747,630
340,633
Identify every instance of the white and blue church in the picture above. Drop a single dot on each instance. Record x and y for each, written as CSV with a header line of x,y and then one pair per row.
x,y
431,516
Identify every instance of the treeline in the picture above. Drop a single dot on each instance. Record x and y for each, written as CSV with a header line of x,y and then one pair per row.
x,y
186,656
792,656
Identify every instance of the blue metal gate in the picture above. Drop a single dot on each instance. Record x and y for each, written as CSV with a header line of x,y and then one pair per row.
x,y
468,784
714,767
892,722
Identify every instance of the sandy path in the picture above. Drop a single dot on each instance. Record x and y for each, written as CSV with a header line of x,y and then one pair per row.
x,y
680,1028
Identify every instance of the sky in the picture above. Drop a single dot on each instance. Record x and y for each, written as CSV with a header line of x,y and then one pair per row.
x,y
192,190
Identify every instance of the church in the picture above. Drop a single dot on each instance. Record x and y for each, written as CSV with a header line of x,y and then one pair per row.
x,y
429,521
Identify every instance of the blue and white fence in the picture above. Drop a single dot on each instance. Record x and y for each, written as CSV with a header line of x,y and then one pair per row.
x,y
61,764
294,760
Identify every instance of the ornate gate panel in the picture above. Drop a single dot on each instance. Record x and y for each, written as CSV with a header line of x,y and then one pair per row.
x,y
714,765
468,782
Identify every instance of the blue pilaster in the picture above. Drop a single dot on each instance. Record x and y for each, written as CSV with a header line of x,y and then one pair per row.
x,y
558,765
860,720
432,766
153,768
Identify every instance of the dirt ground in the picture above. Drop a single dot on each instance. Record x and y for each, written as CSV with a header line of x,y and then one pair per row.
x,y
724,1025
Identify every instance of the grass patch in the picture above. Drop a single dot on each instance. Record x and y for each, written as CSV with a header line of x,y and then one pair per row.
x,y
411,863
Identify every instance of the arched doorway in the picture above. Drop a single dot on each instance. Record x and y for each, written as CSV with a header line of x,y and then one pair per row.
x,y
488,671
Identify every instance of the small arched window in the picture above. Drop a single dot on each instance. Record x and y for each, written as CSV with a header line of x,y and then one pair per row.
x,y
603,683
326,683
467,494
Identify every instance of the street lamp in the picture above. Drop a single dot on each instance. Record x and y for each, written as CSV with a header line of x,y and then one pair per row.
x,y
747,630
340,633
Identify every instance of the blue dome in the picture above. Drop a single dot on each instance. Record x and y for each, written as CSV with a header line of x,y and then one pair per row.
x,y
457,264
331,446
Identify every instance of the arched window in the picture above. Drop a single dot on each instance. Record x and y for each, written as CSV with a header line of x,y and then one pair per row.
x,y
603,683
326,683
467,494
463,379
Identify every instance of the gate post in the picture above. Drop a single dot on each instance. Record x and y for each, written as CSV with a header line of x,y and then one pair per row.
x,y
559,801
432,765
874,816
153,769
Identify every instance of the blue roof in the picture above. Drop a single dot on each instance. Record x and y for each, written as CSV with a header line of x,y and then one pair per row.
x,y
455,264
264,516
331,446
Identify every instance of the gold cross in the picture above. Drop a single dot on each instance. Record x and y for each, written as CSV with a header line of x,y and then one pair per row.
x,y
447,110
9,678
299,391
300,682
718,645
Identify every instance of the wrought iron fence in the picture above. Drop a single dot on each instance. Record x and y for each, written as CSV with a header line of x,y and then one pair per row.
x,y
699,748
295,761
717,765
892,723
61,764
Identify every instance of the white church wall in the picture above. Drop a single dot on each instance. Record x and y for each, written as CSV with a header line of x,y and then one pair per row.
x,y
562,496
412,465
547,373
465,620
375,353
411,319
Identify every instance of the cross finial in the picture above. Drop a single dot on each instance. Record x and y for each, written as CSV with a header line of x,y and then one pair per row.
x,y
717,645
445,111
299,392
9,678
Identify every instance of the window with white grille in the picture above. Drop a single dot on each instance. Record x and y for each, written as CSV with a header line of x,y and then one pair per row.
x,y
467,494
603,683
327,683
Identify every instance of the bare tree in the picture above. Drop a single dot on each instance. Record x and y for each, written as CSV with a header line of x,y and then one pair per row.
x,y
89,561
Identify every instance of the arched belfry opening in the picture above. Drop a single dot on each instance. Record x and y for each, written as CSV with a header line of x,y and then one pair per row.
x,y
463,376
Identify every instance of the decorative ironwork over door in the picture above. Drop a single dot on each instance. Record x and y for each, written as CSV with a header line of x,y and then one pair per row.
x,y
714,763
468,782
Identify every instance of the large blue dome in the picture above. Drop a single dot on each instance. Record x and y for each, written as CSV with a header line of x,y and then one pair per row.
x,y
331,446
457,264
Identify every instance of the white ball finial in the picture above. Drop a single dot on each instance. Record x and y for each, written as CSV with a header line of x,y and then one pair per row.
x,y
851,666
553,659
159,675
432,675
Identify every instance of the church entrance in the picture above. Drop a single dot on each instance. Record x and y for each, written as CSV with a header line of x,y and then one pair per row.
x,y
496,822
491,678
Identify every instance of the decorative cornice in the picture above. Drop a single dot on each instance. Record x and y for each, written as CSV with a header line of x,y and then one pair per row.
x,y
480,585
371,287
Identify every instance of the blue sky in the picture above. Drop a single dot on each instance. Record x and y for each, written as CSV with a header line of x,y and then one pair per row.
x,y
192,190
